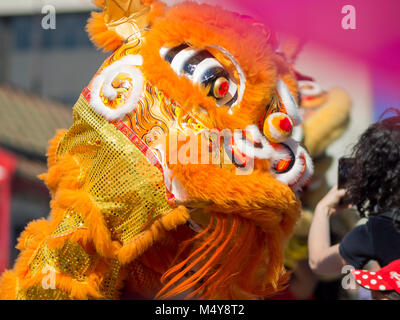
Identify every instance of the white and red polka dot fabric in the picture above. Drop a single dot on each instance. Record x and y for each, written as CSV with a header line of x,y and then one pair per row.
x,y
386,279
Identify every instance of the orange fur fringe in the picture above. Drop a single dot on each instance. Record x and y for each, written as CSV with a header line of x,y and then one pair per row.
x,y
100,35
227,261
99,3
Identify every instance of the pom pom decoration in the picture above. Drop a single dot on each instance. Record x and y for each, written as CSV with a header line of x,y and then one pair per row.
x,y
277,127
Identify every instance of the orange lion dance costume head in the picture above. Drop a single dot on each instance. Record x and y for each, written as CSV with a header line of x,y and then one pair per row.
x,y
178,176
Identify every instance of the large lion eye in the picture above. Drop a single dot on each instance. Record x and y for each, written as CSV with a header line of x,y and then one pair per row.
x,y
201,67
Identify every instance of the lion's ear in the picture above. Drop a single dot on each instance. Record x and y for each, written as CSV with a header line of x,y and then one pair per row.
x,y
291,47
120,20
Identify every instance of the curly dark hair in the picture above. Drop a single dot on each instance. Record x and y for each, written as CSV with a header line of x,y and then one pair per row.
x,y
373,184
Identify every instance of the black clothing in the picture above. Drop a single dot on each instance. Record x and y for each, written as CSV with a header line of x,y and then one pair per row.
x,y
377,239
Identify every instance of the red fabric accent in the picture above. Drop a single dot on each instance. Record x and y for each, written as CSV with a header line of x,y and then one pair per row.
x,y
86,93
300,76
285,124
7,167
385,279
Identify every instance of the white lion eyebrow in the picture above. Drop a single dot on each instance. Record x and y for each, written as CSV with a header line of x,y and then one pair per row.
x,y
198,65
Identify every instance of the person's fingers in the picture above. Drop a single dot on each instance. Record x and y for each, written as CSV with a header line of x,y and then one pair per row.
x,y
340,195
337,192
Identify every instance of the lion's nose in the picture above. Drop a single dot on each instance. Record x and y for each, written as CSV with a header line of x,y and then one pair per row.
x,y
278,127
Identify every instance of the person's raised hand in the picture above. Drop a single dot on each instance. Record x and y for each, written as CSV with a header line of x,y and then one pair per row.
x,y
331,201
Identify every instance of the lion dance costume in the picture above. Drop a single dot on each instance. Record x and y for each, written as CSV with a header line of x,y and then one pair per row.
x,y
126,215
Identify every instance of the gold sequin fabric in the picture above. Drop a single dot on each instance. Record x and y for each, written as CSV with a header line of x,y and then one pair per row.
x,y
127,188
37,292
124,196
